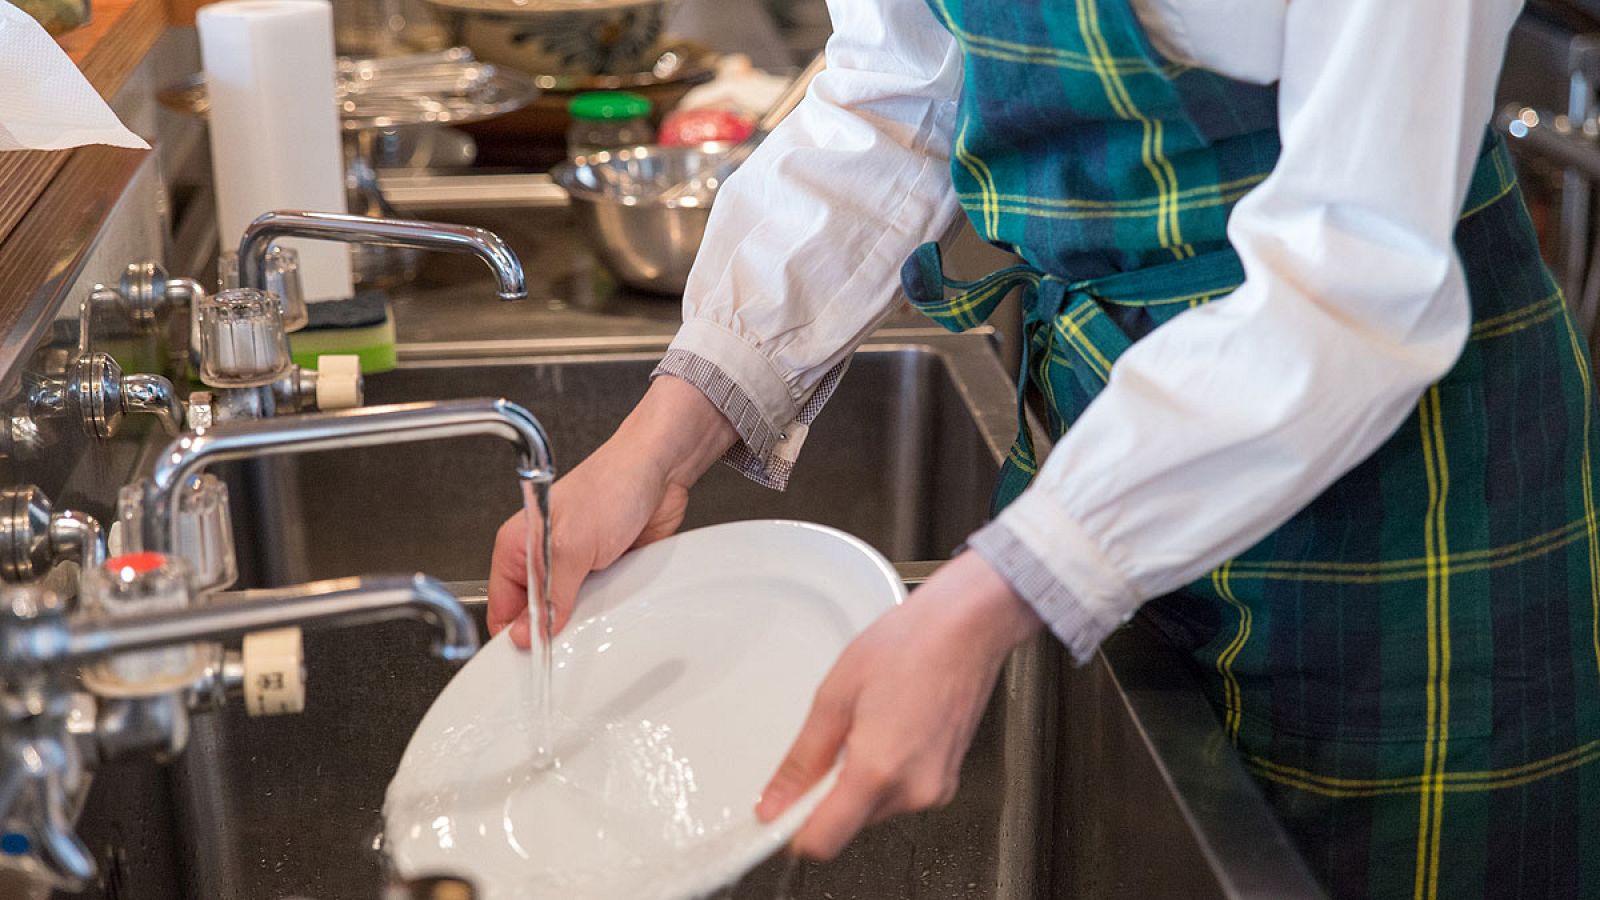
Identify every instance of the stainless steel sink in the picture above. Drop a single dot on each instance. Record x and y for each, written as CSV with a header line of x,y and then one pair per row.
x,y
1099,782
903,456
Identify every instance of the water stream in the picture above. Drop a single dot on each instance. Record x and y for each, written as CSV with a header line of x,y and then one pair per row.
x,y
785,889
542,614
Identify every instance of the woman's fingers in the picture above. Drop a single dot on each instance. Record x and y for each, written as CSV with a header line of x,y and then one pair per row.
x,y
812,755
597,511
567,571
853,804
522,630
508,589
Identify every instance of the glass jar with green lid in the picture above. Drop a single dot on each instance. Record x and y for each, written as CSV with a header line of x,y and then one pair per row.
x,y
606,120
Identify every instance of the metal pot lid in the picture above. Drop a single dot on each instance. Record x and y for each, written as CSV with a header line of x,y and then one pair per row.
x,y
540,7
445,88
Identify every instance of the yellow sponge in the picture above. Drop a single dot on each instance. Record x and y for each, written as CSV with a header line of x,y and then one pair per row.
x,y
361,326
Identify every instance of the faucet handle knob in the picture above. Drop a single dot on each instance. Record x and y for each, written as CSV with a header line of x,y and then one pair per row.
x,y
130,585
242,339
274,664
204,531
282,272
339,384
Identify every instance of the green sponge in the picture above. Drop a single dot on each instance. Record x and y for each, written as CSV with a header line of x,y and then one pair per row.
x,y
362,325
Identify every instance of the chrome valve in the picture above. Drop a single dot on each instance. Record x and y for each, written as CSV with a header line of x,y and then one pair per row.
x,y
42,773
335,384
96,394
35,537
147,294
244,357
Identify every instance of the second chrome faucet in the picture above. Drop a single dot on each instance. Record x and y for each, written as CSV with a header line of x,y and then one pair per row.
x,y
486,245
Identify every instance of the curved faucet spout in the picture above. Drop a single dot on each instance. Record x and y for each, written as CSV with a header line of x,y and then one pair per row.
x,y
338,602
486,245
153,394
242,439
78,537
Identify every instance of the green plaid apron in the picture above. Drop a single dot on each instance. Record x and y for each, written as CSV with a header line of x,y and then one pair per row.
x,y
1411,664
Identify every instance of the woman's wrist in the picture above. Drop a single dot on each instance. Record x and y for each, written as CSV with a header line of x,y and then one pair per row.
x,y
676,430
985,601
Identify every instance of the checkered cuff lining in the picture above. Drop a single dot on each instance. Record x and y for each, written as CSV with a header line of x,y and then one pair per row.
x,y
1071,622
765,452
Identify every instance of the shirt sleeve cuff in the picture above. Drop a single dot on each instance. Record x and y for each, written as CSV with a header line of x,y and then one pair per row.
x,y
1079,625
754,398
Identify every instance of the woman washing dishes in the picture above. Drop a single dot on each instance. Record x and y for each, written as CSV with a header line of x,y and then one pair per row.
x,y
1320,412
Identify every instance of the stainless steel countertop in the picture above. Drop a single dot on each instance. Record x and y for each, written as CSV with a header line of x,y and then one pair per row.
x,y
573,303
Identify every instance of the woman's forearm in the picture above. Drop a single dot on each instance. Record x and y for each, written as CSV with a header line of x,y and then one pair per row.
x,y
677,430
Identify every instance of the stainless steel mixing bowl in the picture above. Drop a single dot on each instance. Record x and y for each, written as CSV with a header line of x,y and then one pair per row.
x,y
647,244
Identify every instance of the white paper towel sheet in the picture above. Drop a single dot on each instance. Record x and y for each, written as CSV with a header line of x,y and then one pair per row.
x,y
275,140
45,102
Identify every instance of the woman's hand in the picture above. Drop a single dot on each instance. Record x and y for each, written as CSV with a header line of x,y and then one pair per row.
x,y
901,705
630,492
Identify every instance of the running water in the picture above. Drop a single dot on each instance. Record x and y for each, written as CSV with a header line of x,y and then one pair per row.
x,y
541,613
785,889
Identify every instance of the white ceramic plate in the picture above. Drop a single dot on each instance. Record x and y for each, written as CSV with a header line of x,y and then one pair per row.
x,y
678,688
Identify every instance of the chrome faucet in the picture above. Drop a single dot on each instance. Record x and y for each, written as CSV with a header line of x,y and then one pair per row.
x,y
243,439
56,642
52,734
486,245
122,672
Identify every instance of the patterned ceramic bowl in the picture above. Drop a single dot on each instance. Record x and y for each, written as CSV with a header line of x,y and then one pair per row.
x,y
560,37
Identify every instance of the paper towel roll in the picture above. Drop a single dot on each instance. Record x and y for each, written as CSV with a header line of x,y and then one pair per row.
x,y
275,140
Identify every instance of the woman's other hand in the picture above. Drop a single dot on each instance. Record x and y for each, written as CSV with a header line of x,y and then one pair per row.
x,y
900,706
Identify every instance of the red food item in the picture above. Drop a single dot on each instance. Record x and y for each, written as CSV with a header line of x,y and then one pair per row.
x,y
692,127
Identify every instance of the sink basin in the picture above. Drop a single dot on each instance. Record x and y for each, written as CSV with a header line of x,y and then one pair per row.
x,y
903,457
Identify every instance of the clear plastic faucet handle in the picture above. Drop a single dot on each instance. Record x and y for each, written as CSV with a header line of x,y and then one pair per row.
x,y
282,270
205,532
242,339
134,584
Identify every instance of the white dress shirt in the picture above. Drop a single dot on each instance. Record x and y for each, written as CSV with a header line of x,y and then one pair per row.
x,y
1220,425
